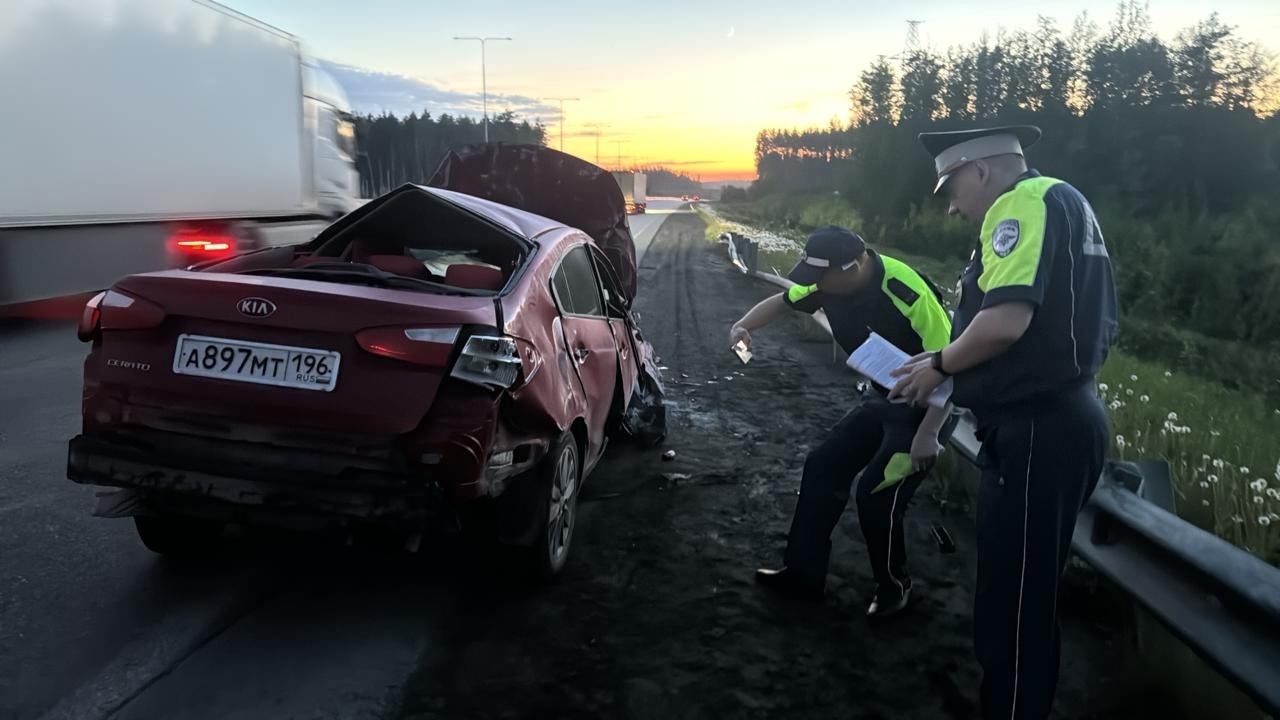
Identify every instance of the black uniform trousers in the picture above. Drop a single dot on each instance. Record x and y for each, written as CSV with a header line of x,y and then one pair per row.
x,y
864,441
1039,463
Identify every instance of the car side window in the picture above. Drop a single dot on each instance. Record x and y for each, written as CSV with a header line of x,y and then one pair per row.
x,y
576,285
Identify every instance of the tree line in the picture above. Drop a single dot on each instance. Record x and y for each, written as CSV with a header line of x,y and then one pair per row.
x,y
395,150
1177,145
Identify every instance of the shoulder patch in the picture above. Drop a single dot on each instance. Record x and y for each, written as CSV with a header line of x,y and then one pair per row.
x,y
902,292
796,293
1005,237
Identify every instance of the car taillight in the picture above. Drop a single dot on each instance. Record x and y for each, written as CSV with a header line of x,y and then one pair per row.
x,y
91,318
489,361
204,241
125,312
425,346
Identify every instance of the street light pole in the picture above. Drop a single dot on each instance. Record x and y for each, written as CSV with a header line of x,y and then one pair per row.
x,y
484,80
596,127
620,144
562,119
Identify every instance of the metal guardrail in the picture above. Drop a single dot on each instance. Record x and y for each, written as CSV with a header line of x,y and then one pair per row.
x,y
1220,601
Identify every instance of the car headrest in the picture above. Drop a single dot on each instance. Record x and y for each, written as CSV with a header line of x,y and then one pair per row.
x,y
473,277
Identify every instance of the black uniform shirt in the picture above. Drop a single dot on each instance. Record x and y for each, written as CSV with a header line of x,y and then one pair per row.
x,y
1041,244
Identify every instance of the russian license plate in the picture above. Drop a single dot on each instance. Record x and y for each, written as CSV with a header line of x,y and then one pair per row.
x,y
253,362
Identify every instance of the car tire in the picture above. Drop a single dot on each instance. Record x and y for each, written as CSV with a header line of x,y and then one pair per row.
x,y
174,536
559,478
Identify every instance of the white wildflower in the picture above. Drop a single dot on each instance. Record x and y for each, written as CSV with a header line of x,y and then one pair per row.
x,y
1104,387
1258,485
1215,433
1204,485
1115,405
1205,459
1263,520
1273,493
1245,471
1173,417
1120,441
1129,392
1218,463
1168,374
1213,479
1257,500
1133,378
1204,503
1145,398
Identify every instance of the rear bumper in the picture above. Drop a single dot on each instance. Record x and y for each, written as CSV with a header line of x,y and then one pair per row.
x,y
170,472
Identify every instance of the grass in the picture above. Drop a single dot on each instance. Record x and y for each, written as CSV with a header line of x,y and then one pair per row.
x,y
1222,445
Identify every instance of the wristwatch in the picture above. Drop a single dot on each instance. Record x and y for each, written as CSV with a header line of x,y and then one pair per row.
x,y
936,361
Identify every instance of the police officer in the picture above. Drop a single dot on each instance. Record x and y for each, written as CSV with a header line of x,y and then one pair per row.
x,y
891,445
1035,321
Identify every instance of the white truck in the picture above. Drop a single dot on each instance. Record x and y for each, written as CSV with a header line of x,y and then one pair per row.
x,y
139,135
634,190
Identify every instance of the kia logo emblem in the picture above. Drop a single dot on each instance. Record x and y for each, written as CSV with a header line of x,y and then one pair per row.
x,y
256,307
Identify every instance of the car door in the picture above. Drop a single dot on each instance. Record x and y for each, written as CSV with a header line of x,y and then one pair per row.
x,y
589,339
618,322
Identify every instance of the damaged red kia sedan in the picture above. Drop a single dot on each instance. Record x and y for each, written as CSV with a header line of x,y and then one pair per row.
x,y
447,357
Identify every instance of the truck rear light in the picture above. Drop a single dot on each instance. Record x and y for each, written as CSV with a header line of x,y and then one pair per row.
x,y
204,241
424,346
489,361
91,319
125,312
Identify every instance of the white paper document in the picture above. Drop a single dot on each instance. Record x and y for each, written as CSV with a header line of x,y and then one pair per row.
x,y
877,357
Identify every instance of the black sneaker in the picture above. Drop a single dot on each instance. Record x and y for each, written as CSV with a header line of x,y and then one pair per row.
x,y
789,582
889,599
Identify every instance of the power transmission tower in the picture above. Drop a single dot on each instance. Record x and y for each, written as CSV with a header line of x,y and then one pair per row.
x,y
913,37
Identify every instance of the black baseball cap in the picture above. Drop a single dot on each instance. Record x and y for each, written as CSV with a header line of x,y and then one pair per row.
x,y
827,247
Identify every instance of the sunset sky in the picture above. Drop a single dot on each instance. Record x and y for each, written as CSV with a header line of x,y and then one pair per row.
x,y
686,85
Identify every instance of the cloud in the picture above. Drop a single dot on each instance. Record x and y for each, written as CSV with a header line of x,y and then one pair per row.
x,y
376,92
731,31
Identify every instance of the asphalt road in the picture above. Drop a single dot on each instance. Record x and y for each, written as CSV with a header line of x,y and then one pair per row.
x,y
92,625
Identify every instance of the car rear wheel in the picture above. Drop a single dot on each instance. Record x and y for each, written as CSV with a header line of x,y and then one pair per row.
x,y
560,476
176,536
